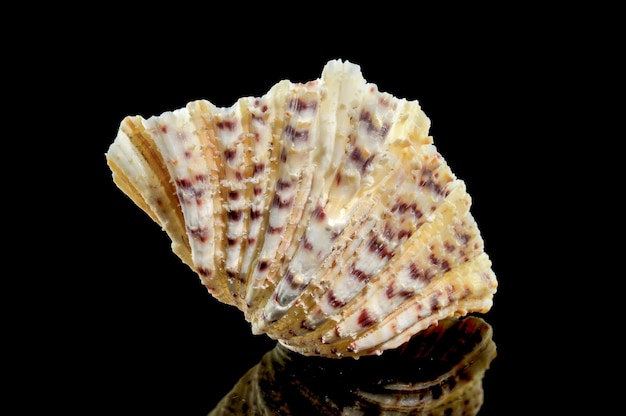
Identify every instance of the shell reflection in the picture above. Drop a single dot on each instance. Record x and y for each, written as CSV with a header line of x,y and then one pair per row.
x,y
438,372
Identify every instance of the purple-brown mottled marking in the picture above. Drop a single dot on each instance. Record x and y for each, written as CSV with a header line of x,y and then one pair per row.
x,y
366,117
277,202
251,240
365,319
403,207
239,176
283,155
306,243
258,168
357,156
384,129
164,128
263,265
289,277
183,183
297,105
274,230
435,302
257,190
406,293
417,273
198,193
204,272
400,206
283,184
254,214
391,292
230,154
234,215
334,301
448,246
201,233
231,241
226,125
360,275
404,233
318,213
379,247
426,181
233,195
296,135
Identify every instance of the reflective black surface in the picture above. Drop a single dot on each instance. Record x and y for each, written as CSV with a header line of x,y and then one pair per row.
x,y
438,372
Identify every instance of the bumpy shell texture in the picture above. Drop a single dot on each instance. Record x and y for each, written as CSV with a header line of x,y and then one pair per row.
x,y
322,210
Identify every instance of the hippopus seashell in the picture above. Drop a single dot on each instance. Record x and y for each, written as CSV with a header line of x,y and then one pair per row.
x,y
322,210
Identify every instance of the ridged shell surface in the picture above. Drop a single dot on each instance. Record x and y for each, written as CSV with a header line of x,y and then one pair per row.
x,y
322,210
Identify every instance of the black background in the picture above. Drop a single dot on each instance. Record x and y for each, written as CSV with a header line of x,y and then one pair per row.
x,y
122,326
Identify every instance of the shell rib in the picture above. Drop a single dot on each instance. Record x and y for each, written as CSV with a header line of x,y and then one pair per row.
x,y
322,211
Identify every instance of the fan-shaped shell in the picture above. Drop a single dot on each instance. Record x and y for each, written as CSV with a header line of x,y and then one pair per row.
x,y
322,211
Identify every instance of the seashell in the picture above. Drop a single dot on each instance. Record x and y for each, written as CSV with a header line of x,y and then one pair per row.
x,y
437,372
321,210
